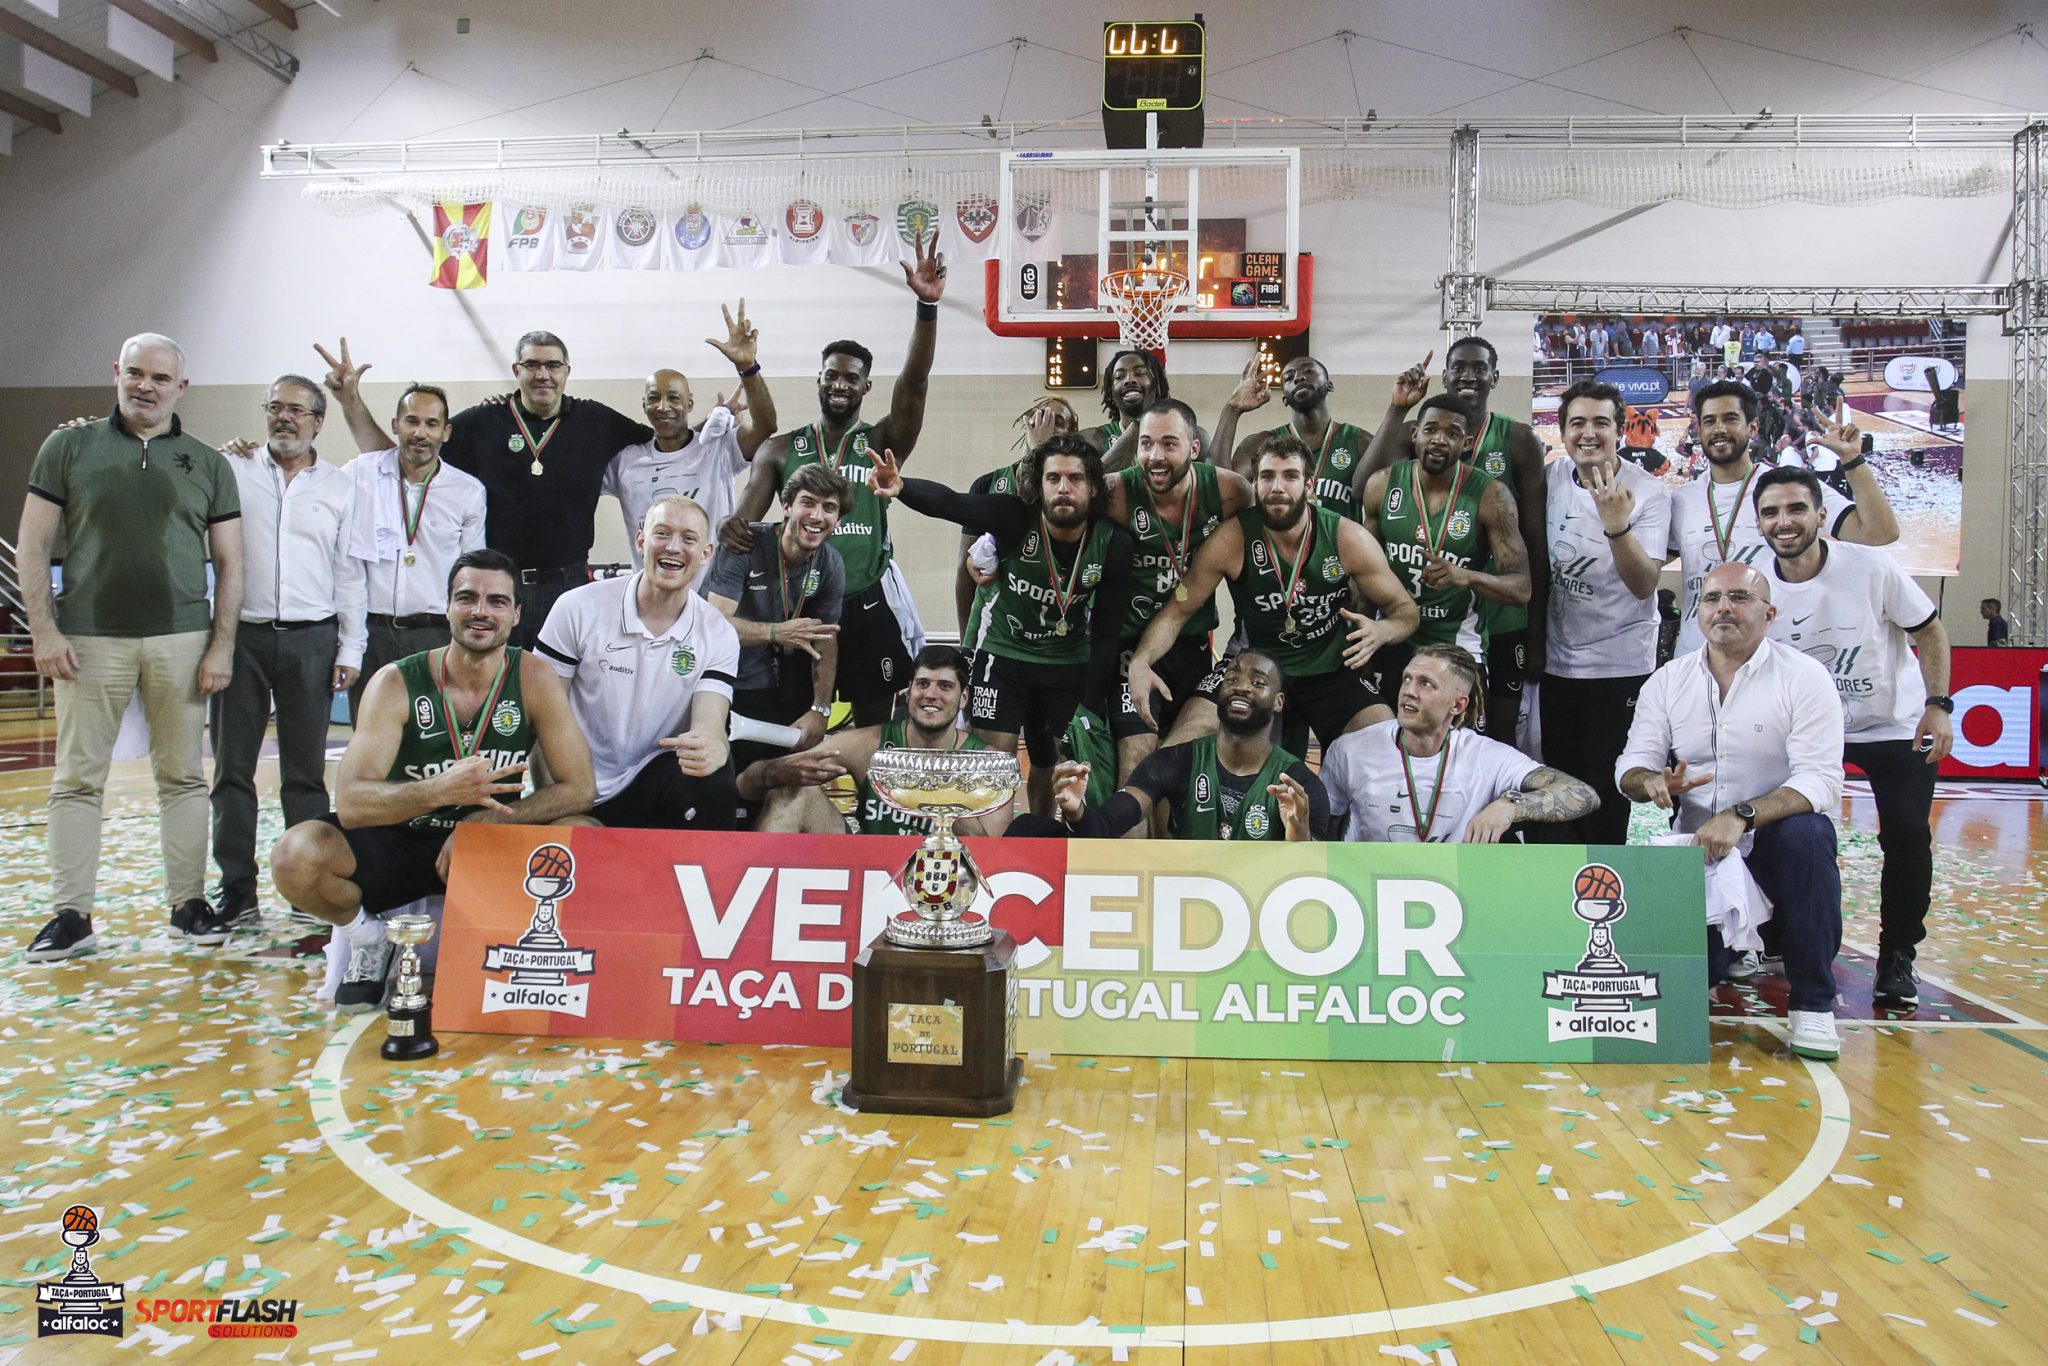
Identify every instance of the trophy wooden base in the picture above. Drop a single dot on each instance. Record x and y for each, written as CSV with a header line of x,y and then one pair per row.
x,y
411,1034
934,1031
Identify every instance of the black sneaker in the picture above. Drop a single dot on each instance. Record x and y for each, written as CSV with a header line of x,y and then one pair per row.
x,y
362,987
68,934
236,909
200,923
1896,985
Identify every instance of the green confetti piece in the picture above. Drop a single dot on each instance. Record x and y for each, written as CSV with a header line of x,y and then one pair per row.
x,y
538,1319
1884,1256
1434,1347
1126,1327
179,1184
1051,1235
778,1197
901,1287
1700,1320
1614,1332
1986,1299
1936,1257
817,1314
1086,1062
1874,1231
1809,1335
768,1288
490,1287
271,1236
335,1309
168,1214
832,1340
1587,1296
1370,1199
670,1306
530,1220
1120,1261
875,1186
1704,1336
1866,1157
848,1239
1267,1260
592,1265
1167,1265
1624,1204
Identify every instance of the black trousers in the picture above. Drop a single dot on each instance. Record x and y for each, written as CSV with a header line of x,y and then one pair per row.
x,y
1902,781
1585,729
663,797
295,669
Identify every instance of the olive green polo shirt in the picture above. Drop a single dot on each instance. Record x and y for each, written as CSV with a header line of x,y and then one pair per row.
x,y
135,519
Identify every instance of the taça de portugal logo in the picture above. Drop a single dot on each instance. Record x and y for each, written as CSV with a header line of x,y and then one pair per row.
x,y
542,962
81,1302
1604,991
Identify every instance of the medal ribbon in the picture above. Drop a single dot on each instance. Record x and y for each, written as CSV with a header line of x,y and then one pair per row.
x,y
533,447
410,517
463,739
832,458
1726,538
1061,598
1323,455
1433,541
782,583
1424,823
1187,526
1293,581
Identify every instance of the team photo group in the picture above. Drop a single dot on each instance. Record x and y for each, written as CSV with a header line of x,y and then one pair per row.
x,y
1459,627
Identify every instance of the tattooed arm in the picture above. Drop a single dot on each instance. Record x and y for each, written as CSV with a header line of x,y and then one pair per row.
x,y
1546,797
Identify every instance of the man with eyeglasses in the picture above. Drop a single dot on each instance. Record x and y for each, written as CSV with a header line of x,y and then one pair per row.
x,y
1743,740
301,637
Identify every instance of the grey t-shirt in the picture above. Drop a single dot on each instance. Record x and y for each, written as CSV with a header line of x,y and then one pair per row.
x,y
811,588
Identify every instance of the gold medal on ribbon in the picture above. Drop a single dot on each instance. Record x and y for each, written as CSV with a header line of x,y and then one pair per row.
x,y
1061,628
1180,592
1287,627
411,558
535,468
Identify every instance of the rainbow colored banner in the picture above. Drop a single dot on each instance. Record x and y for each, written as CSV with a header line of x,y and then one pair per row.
x,y
1544,953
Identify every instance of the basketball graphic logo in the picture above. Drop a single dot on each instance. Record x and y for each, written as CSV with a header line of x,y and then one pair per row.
x,y
1604,993
541,962
79,1219
80,1302
550,861
1597,882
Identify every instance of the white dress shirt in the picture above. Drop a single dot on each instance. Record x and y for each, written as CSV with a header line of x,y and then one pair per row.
x,y
295,549
1779,726
1855,618
451,525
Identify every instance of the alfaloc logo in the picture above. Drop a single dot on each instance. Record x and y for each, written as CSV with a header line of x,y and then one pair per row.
x,y
81,1302
541,962
1603,990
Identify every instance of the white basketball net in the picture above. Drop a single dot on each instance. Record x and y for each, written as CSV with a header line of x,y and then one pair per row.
x,y
1144,302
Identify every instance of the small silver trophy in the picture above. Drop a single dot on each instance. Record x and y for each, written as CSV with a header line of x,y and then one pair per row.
x,y
940,880
409,1022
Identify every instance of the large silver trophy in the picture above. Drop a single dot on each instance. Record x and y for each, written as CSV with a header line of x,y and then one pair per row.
x,y
940,880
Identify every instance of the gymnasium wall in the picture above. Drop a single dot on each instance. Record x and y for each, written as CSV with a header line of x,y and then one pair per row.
x,y
149,215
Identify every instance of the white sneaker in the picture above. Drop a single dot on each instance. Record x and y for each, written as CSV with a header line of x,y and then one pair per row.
x,y
1814,1034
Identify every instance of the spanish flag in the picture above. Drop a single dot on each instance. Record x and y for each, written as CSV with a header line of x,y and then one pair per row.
x,y
462,239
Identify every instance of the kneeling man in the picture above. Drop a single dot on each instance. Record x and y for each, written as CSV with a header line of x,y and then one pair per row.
x,y
650,668
444,736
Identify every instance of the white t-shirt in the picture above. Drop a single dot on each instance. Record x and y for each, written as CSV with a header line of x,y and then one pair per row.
x,y
702,471
1854,619
630,689
1369,793
1697,549
1598,628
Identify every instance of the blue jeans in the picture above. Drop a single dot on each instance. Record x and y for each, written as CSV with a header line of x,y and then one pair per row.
x,y
1793,861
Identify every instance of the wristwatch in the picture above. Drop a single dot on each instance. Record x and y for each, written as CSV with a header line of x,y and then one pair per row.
x,y
1944,701
822,709
1747,813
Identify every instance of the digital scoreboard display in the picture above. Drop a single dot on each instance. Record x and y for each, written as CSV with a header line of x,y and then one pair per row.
x,y
1153,67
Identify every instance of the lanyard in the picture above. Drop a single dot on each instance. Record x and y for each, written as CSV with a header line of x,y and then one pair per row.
x,y
1187,524
410,517
525,440
782,583
1424,822
832,459
463,739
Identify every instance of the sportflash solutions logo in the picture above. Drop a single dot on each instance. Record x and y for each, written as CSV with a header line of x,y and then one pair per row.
x,y
1606,991
542,962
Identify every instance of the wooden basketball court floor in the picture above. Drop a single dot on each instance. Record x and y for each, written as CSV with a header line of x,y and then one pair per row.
x,y
613,1201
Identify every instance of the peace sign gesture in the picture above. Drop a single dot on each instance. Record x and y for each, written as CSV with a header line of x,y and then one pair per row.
x,y
928,279
888,480
742,343
1613,499
342,379
1843,438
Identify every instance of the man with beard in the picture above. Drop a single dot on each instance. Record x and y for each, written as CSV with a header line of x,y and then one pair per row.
x,y
1338,447
699,465
1048,631
1713,517
1233,785
1862,617
1295,573
1043,420
412,519
1429,777
1449,531
650,668
787,790
1607,523
1171,502
445,737
1508,451
783,598
1134,381
301,638
879,617
541,457
1755,726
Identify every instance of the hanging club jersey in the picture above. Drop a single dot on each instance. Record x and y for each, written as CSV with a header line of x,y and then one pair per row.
x,y
434,737
862,536
1166,546
1408,525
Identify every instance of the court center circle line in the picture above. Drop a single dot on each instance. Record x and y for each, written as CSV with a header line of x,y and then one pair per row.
x,y
334,1123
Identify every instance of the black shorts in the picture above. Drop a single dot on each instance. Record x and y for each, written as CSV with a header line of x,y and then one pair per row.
x,y
1187,669
1010,697
663,797
394,863
873,662
1507,662
1382,673
1325,704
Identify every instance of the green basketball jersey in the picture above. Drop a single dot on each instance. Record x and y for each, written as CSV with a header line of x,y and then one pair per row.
x,y
1315,645
1162,551
1333,464
876,816
862,536
1490,457
1445,611
1109,433
1038,613
1198,815
434,738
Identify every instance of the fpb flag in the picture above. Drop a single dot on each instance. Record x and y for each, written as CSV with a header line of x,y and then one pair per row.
x,y
462,239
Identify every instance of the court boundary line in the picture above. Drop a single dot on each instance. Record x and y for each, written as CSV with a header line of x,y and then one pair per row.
x,y
331,1118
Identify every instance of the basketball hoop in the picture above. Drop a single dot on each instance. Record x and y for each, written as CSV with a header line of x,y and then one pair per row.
x,y
1144,301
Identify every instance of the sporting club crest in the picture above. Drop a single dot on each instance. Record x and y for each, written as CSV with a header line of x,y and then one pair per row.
x,y
1461,524
977,215
1256,826
803,220
682,662
506,718
1333,568
916,219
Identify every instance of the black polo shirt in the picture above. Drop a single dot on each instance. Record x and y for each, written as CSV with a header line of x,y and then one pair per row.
x,y
545,520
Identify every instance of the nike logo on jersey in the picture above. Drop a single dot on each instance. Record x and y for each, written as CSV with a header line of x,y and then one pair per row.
x,y
613,649
1801,621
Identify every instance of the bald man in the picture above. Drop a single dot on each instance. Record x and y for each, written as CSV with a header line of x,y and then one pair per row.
x,y
700,465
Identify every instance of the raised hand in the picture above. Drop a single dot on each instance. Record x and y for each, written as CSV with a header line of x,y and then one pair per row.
x,y
1411,386
343,380
1439,572
1046,419
1070,790
1844,438
1292,799
473,782
888,480
1251,391
1364,639
927,279
1613,499
742,343
736,405
804,633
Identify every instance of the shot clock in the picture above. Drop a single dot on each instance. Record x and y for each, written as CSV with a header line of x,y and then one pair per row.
x,y
1152,74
